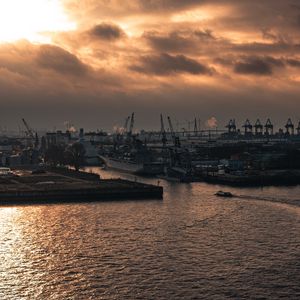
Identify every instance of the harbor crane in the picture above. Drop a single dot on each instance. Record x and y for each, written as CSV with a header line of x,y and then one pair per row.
x,y
171,127
175,138
289,127
126,124
29,131
163,131
248,127
195,127
298,128
231,126
269,127
258,127
131,125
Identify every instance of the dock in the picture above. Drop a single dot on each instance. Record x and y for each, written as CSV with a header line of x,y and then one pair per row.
x,y
263,178
61,186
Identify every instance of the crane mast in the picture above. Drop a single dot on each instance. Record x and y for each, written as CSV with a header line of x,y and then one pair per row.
x,y
131,124
163,131
175,138
171,127
126,124
195,127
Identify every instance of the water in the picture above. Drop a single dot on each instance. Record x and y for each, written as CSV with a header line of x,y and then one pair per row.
x,y
191,245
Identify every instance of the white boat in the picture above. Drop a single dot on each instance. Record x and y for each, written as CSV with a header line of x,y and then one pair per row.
x,y
5,172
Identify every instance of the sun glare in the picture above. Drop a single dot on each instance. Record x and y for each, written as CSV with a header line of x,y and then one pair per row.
x,y
32,20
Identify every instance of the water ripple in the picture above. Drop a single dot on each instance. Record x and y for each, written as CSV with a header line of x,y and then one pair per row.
x,y
192,245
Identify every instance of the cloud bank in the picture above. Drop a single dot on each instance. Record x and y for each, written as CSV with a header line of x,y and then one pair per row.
x,y
230,59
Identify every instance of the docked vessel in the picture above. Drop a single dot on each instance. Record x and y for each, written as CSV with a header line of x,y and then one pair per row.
x,y
130,166
178,174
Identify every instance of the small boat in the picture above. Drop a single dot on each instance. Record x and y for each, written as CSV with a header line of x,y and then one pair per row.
x,y
223,194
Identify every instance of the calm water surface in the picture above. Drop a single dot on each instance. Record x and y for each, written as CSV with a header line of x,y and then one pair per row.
x,y
191,245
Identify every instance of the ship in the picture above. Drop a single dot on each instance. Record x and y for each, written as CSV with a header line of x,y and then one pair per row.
x,y
179,174
130,166
132,156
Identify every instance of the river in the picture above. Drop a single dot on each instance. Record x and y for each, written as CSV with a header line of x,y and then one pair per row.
x,y
190,245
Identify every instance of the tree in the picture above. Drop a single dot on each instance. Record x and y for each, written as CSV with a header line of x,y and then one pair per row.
x,y
75,155
55,155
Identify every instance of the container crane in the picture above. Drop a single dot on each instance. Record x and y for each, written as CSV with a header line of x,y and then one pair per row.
x,y
289,127
248,127
269,127
298,128
258,127
231,126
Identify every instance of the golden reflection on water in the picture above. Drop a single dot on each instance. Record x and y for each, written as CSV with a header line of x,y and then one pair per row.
x,y
186,244
37,245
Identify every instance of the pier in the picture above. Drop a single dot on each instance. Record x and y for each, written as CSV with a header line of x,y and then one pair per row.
x,y
70,186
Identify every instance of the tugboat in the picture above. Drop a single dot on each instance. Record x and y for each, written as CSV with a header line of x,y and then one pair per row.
x,y
224,194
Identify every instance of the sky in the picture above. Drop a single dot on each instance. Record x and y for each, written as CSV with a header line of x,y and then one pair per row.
x,y
92,62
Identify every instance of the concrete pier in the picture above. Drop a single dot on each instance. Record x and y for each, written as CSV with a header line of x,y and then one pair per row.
x,y
65,186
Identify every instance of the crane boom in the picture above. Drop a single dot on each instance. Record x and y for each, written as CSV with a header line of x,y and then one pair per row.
x,y
126,124
163,131
131,124
29,130
171,127
175,138
195,126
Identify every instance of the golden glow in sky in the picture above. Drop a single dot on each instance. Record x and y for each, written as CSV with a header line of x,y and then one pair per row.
x,y
195,15
31,20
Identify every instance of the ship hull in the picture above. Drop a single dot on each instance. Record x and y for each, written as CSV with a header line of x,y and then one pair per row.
x,y
132,167
120,165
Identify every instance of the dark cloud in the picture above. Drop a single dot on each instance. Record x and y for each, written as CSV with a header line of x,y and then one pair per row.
x,y
93,70
293,62
254,67
178,41
59,60
257,65
106,31
172,42
166,64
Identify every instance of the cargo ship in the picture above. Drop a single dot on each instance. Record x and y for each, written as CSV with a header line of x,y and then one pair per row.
x,y
134,167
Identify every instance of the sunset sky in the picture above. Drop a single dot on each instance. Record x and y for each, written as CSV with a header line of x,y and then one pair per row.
x,y
93,62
